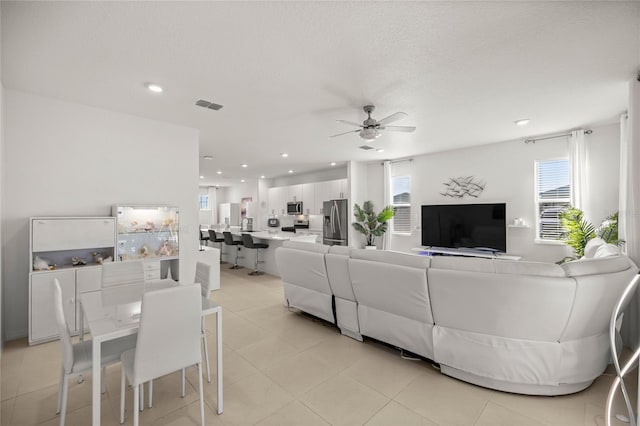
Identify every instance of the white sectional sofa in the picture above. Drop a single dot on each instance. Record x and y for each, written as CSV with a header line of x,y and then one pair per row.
x,y
524,327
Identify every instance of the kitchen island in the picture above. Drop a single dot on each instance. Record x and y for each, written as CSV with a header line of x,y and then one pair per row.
x,y
274,237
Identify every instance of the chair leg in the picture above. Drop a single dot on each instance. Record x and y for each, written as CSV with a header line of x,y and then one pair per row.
x,y
136,402
122,390
235,261
150,393
141,396
103,379
201,392
255,269
183,384
60,390
65,392
206,351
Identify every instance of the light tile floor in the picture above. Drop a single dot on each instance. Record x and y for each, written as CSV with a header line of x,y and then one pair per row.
x,y
286,368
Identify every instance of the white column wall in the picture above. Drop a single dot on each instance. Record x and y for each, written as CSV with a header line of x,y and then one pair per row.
x,y
65,159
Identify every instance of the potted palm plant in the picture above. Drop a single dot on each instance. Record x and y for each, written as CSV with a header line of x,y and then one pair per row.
x,y
370,223
579,231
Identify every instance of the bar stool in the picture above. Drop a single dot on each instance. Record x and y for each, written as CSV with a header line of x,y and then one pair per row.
x,y
213,237
203,239
230,241
248,242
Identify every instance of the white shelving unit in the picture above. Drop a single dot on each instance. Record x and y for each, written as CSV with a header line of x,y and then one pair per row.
x,y
58,240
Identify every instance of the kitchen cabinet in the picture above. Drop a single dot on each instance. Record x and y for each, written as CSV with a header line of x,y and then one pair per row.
x,y
338,189
294,193
309,199
312,196
277,200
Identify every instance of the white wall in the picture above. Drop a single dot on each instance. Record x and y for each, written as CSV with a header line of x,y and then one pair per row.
x,y
209,217
336,172
66,159
508,171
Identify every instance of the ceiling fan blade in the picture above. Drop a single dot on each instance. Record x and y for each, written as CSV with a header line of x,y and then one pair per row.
x,y
350,123
407,129
340,134
393,117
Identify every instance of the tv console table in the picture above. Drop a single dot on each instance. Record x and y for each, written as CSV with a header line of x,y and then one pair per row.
x,y
430,251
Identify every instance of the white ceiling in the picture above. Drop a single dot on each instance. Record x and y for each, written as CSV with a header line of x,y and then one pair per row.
x,y
286,71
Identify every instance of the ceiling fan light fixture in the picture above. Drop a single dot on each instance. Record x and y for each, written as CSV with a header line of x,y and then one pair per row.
x,y
370,135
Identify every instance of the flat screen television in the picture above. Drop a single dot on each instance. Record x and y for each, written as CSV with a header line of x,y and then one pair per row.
x,y
472,226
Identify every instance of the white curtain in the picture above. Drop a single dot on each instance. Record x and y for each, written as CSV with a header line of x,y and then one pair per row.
x,y
578,163
629,201
387,200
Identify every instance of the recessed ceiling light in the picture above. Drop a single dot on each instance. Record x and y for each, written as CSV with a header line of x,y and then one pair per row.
x,y
290,171
262,177
244,166
219,172
333,163
207,157
242,180
380,150
154,87
284,155
522,122
201,177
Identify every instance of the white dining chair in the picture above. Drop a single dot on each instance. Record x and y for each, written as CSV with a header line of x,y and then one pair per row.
x,y
122,273
168,341
205,276
77,357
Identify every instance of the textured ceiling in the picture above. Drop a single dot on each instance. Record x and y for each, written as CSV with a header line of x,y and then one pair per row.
x,y
286,71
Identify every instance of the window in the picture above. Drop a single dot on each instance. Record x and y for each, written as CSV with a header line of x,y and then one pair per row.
x,y
204,202
401,193
553,196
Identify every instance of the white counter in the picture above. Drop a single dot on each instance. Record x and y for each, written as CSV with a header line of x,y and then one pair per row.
x,y
274,237
281,236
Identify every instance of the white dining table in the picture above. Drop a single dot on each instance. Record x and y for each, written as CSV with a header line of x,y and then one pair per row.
x,y
114,312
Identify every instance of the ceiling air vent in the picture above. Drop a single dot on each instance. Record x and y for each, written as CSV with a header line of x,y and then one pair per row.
x,y
366,147
207,104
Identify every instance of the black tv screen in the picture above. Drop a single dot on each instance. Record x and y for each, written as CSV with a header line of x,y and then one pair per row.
x,y
473,226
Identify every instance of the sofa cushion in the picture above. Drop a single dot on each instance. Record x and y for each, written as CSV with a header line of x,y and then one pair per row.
x,y
337,262
392,257
317,248
539,269
607,250
342,250
460,263
591,247
596,266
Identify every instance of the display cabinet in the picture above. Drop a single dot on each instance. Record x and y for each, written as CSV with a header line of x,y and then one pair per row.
x,y
150,233
71,250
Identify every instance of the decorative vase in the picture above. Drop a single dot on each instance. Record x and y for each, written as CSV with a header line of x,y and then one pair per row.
x,y
370,247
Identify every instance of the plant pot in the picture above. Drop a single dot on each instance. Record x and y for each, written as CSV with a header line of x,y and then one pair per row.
x,y
370,247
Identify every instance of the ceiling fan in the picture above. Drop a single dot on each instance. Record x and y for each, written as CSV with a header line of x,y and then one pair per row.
x,y
371,129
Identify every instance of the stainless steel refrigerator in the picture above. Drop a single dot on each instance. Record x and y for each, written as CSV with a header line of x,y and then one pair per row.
x,y
335,227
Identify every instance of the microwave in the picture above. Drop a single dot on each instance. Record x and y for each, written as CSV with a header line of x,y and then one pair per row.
x,y
294,207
